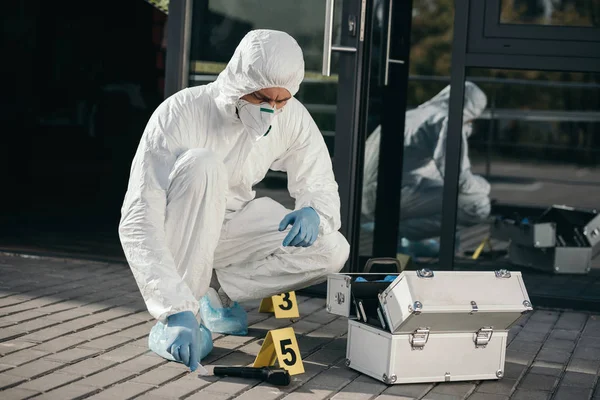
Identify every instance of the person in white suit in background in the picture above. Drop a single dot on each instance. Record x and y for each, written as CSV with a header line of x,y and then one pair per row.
x,y
425,135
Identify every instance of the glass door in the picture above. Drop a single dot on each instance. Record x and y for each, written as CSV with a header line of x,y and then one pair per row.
x,y
332,36
382,212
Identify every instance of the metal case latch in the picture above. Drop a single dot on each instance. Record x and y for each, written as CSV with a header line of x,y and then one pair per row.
x,y
416,308
340,298
418,338
483,337
502,273
474,307
425,273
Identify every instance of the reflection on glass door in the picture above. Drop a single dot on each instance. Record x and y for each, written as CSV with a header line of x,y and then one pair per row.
x,y
423,134
382,209
584,13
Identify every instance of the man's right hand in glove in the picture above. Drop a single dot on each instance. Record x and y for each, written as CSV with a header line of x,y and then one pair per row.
x,y
182,331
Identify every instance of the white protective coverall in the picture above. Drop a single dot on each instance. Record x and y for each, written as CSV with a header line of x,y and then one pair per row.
x,y
425,136
190,206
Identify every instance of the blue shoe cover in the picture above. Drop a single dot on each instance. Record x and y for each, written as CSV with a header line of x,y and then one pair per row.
x,y
229,321
157,341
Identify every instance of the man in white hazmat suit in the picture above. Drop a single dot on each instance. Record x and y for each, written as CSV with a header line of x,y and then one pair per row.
x,y
425,135
190,208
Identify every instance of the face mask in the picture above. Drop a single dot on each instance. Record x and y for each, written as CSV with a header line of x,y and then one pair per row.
x,y
256,118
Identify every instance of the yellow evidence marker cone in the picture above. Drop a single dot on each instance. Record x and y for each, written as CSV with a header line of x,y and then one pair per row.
x,y
280,346
284,305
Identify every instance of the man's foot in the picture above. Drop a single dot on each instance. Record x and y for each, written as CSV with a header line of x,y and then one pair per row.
x,y
157,341
218,318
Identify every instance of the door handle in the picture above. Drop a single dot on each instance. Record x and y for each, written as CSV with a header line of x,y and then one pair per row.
x,y
389,60
328,47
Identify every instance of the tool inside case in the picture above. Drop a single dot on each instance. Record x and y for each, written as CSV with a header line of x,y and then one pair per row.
x,y
365,305
569,226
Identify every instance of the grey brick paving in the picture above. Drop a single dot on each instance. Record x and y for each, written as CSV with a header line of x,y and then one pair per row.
x,y
22,357
88,367
579,379
523,394
585,366
48,382
361,388
125,352
501,387
35,368
71,391
159,375
18,394
12,346
572,393
7,381
186,385
545,368
82,333
564,334
538,382
441,396
487,396
124,390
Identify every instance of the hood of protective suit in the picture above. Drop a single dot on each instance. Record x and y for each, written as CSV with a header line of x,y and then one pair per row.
x,y
263,59
474,103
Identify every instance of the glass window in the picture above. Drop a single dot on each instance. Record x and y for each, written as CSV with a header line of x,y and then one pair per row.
x,y
551,12
536,146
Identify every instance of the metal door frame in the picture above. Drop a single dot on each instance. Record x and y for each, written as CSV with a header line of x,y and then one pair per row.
x,y
179,28
349,139
481,41
391,152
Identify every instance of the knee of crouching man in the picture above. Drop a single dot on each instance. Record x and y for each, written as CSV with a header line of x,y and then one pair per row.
x,y
337,252
194,165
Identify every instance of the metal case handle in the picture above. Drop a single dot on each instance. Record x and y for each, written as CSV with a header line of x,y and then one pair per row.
x,y
383,261
328,47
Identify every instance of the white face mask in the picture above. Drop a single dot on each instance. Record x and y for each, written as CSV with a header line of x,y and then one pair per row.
x,y
256,118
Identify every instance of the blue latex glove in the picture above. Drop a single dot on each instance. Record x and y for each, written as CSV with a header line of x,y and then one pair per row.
x,y
161,340
305,227
182,338
388,278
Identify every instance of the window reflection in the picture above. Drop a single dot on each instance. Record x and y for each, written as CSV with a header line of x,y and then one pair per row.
x,y
538,147
425,135
551,12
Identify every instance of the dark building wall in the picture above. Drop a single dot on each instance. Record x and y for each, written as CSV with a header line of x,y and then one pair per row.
x,y
69,115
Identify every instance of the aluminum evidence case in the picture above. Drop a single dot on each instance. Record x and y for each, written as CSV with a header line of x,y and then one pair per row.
x,y
428,326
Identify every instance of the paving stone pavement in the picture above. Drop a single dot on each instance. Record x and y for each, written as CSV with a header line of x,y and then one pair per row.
x,y
74,329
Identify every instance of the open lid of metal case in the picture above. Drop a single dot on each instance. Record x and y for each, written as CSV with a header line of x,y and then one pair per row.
x,y
454,301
